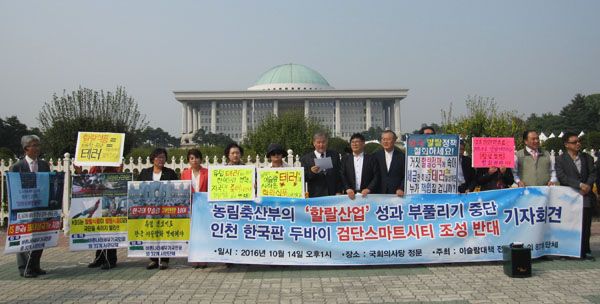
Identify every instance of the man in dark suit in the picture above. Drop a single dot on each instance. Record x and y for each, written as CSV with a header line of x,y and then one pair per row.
x,y
390,162
576,170
467,180
29,262
359,170
322,182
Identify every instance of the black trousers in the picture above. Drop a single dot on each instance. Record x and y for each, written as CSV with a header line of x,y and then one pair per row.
x,y
166,260
29,260
586,231
105,255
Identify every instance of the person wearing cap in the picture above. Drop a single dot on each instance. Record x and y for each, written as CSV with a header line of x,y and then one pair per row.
x,y
275,153
467,180
533,165
360,173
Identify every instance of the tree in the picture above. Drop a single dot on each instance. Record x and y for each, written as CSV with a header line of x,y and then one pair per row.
x,y
88,110
156,138
211,139
483,118
291,130
547,122
579,115
11,131
374,133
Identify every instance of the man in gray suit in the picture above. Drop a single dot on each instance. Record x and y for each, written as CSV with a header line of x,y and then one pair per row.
x,y
576,170
29,262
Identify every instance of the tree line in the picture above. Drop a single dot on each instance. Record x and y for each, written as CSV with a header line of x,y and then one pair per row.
x,y
103,111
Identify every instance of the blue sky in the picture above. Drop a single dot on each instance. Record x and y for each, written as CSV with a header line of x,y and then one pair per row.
x,y
531,56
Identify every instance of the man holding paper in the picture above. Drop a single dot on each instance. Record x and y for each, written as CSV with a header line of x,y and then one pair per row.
x,y
322,169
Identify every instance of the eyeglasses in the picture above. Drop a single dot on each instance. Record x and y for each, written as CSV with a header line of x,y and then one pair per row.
x,y
574,142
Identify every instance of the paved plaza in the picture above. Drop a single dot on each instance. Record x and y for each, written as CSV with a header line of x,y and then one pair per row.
x,y
70,281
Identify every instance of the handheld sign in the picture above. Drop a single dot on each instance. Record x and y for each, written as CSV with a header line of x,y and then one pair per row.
x,y
99,149
281,182
231,183
493,152
431,164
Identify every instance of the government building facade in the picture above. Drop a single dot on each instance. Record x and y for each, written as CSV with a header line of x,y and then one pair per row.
x,y
289,87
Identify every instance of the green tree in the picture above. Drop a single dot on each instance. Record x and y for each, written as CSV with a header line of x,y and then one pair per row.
x,y
211,139
88,110
579,115
11,131
374,133
554,143
547,122
156,138
339,145
291,130
484,118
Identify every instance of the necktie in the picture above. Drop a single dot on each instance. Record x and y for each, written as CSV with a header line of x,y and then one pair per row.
x,y
534,154
322,155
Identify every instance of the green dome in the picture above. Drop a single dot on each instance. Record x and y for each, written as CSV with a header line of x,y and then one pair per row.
x,y
291,77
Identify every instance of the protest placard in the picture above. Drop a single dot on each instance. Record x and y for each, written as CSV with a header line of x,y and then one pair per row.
x,y
99,149
281,182
158,218
35,209
493,152
227,183
431,164
386,229
98,213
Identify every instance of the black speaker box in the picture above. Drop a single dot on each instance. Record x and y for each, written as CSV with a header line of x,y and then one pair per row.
x,y
517,261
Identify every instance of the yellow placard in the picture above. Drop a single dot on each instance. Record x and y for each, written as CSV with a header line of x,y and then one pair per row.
x,y
99,149
231,183
164,229
99,224
281,182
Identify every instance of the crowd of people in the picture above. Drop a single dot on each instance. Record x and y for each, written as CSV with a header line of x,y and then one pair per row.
x,y
358,173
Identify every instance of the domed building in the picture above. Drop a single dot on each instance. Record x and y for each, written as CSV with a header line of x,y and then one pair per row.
x,y
289,87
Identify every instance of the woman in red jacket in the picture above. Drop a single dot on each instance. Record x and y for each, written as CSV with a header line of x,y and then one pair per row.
x,y
198,176
195,173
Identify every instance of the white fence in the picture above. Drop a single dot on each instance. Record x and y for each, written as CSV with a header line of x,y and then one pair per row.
x,y
135,166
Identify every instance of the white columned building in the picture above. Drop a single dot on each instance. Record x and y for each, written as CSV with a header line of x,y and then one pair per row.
x,y
286,88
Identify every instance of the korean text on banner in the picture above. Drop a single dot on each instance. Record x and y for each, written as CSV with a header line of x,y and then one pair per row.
x,y
99,149
35,209
431,164
281,182
158,218
231,183
493,152
98,212
385,229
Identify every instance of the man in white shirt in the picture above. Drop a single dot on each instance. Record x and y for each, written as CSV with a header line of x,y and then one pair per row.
x,y
533,165
29,262
391,166
360,173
